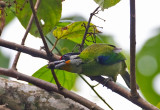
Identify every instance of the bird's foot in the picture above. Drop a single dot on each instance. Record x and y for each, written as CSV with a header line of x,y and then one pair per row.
x,y
94,77
107,80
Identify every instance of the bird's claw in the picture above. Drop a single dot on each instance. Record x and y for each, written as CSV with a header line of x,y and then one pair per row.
x,y
106,80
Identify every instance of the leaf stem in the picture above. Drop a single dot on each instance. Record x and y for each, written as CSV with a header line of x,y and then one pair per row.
x,y
53,44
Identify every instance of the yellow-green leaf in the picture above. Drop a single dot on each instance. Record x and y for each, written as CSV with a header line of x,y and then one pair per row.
x,y
158,105
75,32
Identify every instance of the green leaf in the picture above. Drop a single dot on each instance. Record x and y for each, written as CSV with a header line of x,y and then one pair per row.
x,y
147,69
66,45
9,17
66,79
104,4
158,105
75,32
4,61
8,13
49,13
63,46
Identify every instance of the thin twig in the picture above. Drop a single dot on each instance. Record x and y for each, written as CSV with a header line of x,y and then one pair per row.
x,y
40,30
87,27
53,44
25,35
100,18
56,80
49,54
133,48
92,87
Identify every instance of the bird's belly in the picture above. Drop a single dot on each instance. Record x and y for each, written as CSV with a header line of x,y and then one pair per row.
x,y
95,69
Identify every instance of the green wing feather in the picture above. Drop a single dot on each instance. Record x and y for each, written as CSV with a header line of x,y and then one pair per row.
x,y
103,53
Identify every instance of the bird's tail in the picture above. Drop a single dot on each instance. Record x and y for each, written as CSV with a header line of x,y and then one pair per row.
x,y
126,78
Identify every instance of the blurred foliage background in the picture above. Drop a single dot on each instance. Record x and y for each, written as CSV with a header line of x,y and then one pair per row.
x,y
147,59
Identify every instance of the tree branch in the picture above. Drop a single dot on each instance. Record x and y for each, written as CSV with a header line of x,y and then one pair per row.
x,y
133,48
19,96
125,93
28,50
49,87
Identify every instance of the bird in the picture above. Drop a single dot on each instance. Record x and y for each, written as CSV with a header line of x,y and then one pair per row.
x,y
98,59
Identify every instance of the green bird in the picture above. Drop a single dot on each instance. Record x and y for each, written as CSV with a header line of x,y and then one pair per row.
x,y
95,60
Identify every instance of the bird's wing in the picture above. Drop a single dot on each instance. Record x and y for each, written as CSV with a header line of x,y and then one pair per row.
x,y
109,59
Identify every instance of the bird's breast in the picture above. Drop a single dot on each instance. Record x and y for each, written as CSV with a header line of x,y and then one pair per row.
x,y
95,69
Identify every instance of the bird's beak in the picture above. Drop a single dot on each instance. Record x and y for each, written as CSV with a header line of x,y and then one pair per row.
x,y
56,64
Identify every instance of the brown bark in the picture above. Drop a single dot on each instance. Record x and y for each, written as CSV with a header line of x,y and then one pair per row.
x,y
19,96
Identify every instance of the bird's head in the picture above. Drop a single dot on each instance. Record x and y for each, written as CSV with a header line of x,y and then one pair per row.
x,y
69,62
69,56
